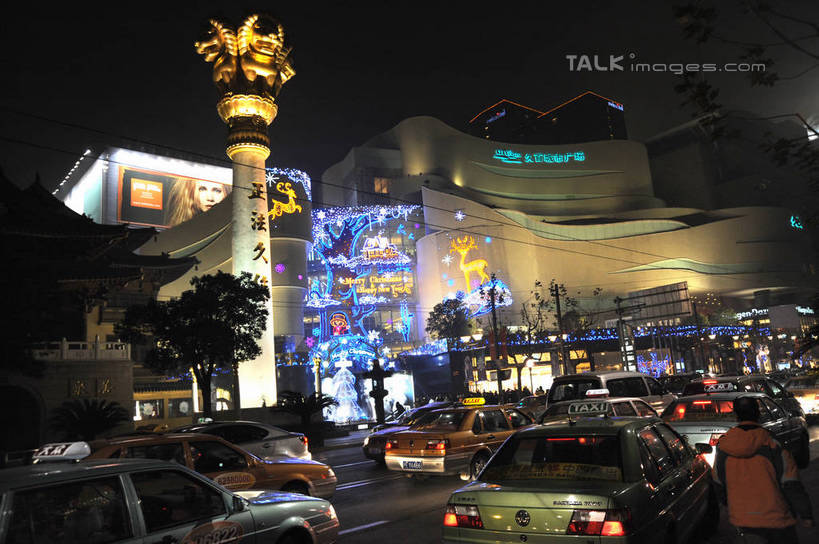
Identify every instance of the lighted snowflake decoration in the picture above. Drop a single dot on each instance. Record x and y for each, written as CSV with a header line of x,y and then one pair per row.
x,y
321,214
373,336
309,341
447,260
459,215
279,268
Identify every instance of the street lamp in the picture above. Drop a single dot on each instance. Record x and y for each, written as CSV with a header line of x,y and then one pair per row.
x,y
530,364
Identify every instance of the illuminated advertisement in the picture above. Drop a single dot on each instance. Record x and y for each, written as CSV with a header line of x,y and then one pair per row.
x,y
289,203
146,197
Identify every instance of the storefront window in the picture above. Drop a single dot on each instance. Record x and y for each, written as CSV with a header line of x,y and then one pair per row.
x,y
180,407
148,409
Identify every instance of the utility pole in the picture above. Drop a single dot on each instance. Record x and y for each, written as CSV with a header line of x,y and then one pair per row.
x,y
554,290
699,335
498,371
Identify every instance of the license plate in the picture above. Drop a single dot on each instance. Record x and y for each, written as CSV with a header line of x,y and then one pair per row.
x,y
413,465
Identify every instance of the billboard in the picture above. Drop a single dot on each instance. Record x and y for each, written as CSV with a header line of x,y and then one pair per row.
x,y
156,199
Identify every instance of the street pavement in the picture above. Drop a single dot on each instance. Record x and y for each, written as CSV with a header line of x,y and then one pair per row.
x,y
377,505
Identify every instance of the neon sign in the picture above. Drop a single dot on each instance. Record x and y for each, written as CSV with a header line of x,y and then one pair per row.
x,y
796,222
615,105
509,156
496,116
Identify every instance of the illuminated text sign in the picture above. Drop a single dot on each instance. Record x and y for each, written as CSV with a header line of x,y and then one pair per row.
x,y
510,156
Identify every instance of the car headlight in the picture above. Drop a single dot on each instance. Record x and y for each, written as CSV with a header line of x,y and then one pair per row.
x,y
330,473
332,512
366,440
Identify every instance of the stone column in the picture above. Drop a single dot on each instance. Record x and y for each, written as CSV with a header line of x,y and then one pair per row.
x,y
247,117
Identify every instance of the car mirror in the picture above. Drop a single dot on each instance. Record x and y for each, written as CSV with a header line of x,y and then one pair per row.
x,y
703,448
238,504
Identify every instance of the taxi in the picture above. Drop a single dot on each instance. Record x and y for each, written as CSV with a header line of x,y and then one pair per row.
x,y
223,462
457,440
60,500
600,403
706,417
633,479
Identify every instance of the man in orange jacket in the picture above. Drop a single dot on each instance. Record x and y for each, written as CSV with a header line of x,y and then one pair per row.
x,y
760,481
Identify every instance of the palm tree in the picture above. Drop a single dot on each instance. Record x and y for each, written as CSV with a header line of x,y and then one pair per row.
x,y
296,403
87,418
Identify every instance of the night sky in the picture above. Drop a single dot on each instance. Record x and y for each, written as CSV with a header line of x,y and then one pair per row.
x,y
76,76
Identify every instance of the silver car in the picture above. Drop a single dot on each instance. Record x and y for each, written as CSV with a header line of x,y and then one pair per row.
x,y
260,439
137,500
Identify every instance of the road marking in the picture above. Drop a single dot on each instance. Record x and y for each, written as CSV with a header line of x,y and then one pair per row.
x,y
352,464
362,527
361,483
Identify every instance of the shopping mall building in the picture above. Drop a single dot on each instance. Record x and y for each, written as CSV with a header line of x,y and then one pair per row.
x,y
425,212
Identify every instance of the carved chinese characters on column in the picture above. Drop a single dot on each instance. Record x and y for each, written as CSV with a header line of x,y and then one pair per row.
x,y
260,249
258,221
257,191
77,388
262,280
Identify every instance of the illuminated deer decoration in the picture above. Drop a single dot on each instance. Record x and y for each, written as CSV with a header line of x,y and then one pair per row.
x,y
463,246
281,208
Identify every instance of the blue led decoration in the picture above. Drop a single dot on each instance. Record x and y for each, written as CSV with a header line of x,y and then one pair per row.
x,y
654,366
510,156
298,176
796,222
488,239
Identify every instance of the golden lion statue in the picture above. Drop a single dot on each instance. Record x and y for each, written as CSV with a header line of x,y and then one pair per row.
x,y
254,59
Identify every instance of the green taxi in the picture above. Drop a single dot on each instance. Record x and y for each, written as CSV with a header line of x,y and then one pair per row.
x,y
601,479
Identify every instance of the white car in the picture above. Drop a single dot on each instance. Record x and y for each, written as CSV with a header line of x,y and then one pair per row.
x,y
260,439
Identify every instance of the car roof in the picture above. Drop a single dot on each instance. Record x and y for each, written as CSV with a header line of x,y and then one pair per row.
x,y
604,374
51,472
138,439
727,395
596,399
587,425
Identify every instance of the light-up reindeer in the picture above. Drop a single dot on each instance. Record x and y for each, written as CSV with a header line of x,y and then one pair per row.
x,y
463,246
290,206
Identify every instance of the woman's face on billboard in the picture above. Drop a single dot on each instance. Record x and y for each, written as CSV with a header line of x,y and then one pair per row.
x,y
208,193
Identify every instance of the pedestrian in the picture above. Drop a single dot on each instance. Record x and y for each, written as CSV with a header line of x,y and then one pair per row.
x,y
398,409
759,481
539,390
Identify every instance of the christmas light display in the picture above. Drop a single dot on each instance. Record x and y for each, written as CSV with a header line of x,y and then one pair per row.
x,y
274,175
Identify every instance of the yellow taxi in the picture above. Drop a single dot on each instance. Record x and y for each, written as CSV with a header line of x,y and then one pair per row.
x,y
456,440
222,462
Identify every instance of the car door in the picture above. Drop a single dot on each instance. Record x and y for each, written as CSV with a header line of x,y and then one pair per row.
x,y
669,483
783,397
780,425
694,480
496,428
225,465
178,507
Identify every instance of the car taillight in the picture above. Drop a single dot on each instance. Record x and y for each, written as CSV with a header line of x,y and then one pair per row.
x,y
438,445
391,445
462,515
303,440
599,523
709,382
714,439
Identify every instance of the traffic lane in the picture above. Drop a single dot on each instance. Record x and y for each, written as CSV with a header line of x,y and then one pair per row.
x,y
397,504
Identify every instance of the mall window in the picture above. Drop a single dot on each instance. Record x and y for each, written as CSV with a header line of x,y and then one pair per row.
x,y
148,409
381,185
180,407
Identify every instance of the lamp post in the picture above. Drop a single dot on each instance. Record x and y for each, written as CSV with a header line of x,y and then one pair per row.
x,y
530,364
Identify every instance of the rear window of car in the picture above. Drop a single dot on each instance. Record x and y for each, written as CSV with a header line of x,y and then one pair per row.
x,y
700,410
572,390
556,458
802,383
446,421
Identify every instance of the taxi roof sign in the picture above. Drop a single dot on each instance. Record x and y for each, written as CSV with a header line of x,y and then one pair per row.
x,y
718,387
62,451
474,401
588,408
592,393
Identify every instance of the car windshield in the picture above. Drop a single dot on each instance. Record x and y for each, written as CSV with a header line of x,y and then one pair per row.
x,y
700,410
572,390
449,421
556,458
